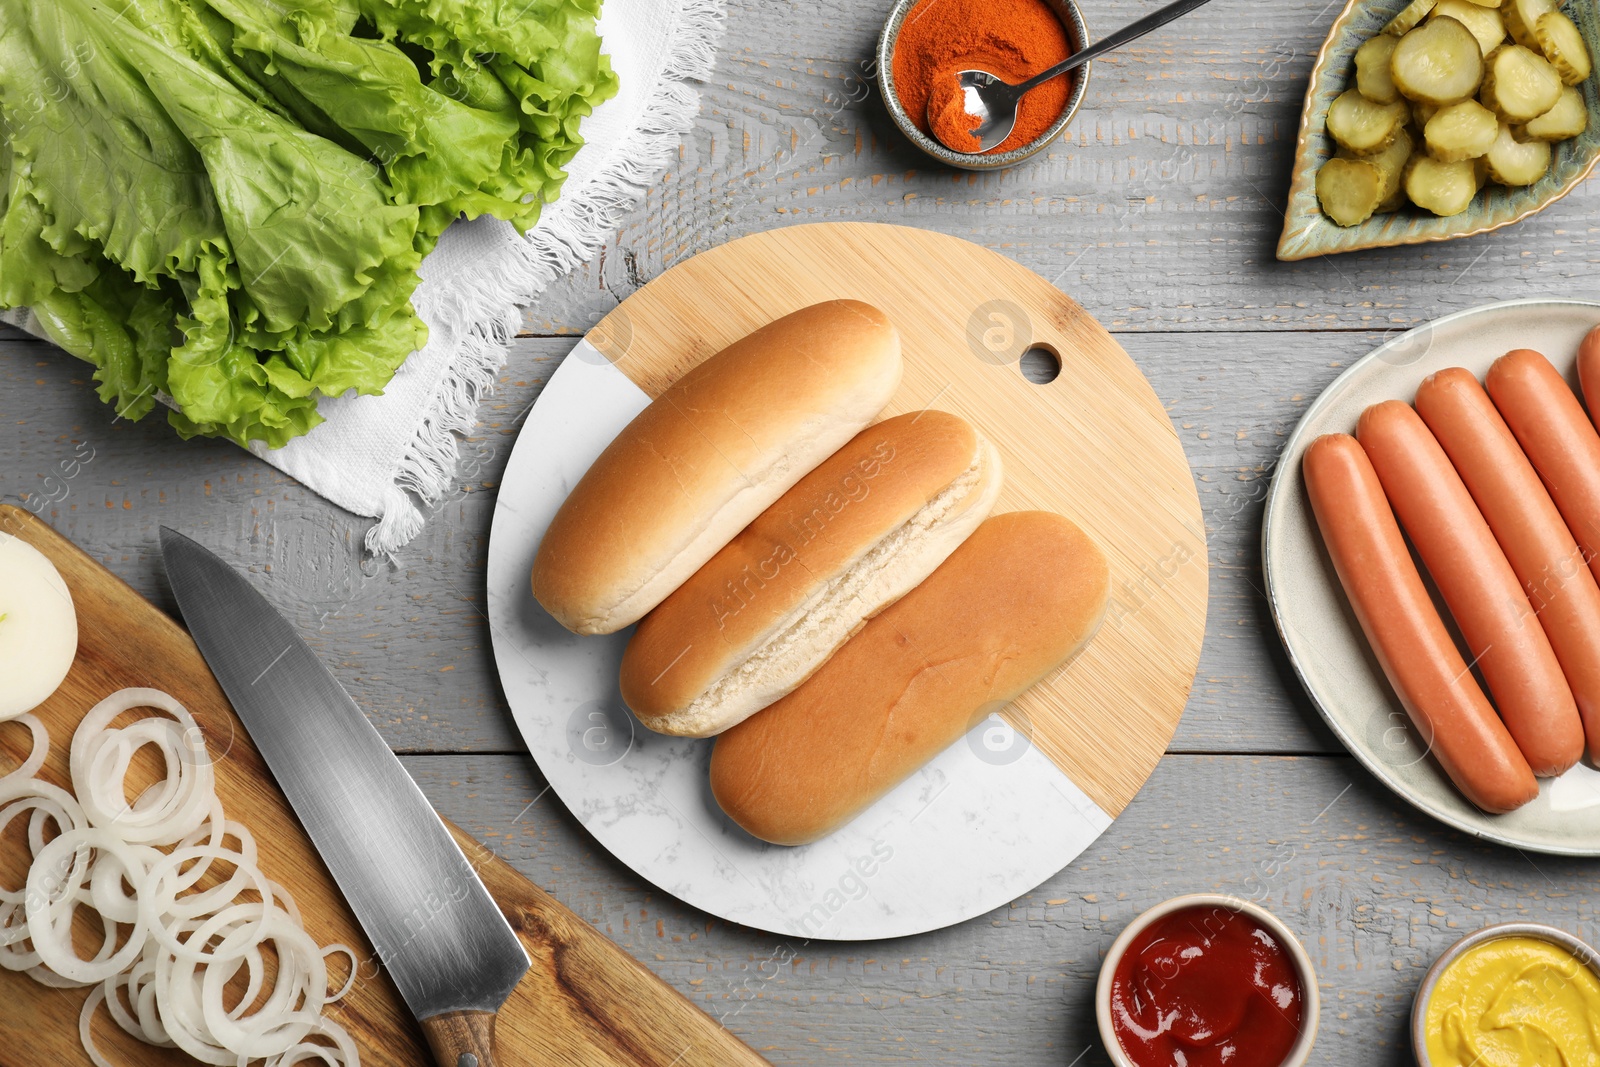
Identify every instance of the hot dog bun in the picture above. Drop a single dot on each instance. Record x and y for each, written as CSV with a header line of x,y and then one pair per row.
x,y
856,534
1018,599
710,454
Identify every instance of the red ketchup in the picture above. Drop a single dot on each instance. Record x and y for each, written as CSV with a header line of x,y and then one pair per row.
x,y
1206,987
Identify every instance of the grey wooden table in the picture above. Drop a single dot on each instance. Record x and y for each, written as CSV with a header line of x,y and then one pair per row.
x,y
1158,212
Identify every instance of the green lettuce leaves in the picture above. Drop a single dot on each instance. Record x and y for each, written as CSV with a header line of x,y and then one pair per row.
x,y
226,201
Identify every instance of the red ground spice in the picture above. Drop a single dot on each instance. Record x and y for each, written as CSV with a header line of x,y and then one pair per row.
x,y
948,119
1013,39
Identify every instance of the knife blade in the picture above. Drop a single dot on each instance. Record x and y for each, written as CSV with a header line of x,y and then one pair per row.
x,y
438,932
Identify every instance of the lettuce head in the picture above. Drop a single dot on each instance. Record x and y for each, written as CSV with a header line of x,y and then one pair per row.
x,y
225,202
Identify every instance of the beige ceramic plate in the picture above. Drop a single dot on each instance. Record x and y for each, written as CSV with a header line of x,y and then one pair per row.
x,y
1307,232
1323,640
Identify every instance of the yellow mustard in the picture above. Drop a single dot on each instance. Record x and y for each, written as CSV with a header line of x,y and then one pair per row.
x,y
1515,1002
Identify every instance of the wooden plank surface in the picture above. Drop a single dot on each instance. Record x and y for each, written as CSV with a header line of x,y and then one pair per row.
x,y
1159,210
1158,214
581,1000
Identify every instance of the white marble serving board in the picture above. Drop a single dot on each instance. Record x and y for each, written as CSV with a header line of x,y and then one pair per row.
x,y
984,823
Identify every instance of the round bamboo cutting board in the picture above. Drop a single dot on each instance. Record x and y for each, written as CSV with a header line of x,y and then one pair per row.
x,y
1094,445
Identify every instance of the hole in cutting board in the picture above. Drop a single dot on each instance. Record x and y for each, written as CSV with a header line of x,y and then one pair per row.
x,y
1040,365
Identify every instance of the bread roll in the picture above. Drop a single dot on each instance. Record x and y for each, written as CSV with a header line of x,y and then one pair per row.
x,y
853,536
1018,599
710,454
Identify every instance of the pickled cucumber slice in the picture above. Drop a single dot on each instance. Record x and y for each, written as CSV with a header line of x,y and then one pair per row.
x,y
1484,22
1439,62
1421,113
1372,69
1519,84
1522,18
1513,162
1391,162
1563,46
1487,3
1392,203
1409,18
1362,125
1567,119
1442,188
1461,131
1349,190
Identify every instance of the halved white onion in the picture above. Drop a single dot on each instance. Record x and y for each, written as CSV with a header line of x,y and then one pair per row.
x,y
38,627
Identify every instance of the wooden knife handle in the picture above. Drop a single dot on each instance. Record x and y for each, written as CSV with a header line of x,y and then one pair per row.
x,y
461,1038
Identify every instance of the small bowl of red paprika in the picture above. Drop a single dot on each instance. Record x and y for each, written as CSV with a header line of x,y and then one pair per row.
x,y
927,43
1208,981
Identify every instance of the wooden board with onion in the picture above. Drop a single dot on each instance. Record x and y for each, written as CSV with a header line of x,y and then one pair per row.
x,y
1094,444
583,1001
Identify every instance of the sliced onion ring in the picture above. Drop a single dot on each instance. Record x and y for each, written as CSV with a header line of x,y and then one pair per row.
x,y
171,948
50,919
41,748
101,754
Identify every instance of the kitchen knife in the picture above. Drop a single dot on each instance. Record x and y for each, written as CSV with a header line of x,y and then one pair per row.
x,y
449,950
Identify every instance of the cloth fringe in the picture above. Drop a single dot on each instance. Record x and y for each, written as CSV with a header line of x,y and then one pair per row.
x,y
576,233
484,314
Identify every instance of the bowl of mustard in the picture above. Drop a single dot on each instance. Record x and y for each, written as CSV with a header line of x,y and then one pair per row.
x,y
1511,995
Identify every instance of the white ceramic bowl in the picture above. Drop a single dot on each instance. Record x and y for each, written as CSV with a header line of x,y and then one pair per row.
x,y
1419,1007
1312,998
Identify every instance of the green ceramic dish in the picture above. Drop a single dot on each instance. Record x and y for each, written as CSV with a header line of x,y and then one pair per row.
x,y
1307,232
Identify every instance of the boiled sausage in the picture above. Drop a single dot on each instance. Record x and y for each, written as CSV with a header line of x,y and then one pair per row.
x,y
1556,436
1405,630
1527,525
1507,643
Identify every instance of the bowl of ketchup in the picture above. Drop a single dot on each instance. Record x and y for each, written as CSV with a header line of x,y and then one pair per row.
x,y
1207,981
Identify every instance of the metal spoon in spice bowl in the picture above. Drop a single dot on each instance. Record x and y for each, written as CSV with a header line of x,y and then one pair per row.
x,y
994,102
